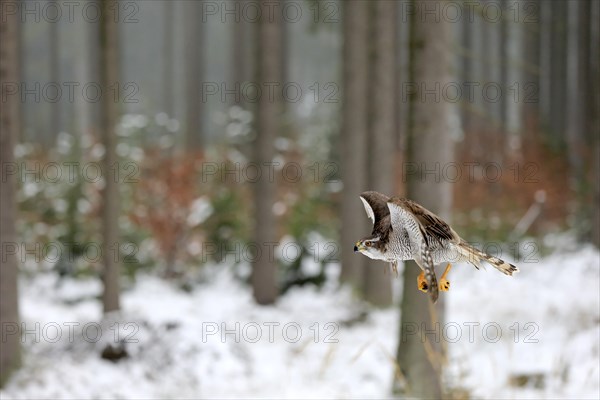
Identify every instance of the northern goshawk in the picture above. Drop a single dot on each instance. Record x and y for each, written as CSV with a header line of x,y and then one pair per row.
x,y
405,230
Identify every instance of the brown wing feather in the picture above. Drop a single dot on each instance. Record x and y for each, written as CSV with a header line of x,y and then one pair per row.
x,y
431,225
378,203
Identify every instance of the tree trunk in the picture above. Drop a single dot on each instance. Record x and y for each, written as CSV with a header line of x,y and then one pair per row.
x,y
558,73
93,72
575,109
285,57
194,40
492,95
587,80
545,63
530,95
585,66
382,127
238,70
474,75
594,117
109,75
55,108
468,68
402,65
243,57
353,136
168,59
264,268
430,147
85,112
10,346
512,83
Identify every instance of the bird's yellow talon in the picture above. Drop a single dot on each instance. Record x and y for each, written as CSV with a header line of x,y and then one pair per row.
x,y
444,283
422,282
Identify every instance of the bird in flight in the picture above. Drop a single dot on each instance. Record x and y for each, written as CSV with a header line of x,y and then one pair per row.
x,y
405,230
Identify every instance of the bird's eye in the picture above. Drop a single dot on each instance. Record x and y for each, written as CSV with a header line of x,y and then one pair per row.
x,y
369,244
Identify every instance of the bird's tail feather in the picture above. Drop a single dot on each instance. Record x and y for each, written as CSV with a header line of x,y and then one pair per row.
x,y
474,255
429,273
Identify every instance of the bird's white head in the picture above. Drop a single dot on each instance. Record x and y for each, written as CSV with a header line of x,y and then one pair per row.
x,y
370,247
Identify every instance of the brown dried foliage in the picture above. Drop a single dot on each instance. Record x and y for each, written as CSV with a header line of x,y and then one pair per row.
x,y
164,195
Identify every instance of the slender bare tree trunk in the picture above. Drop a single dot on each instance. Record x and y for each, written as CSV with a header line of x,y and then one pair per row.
x,y
243,54
594,116
83,71
93,58
530,88
382,127
512,82
168,58
194,41
476,107
19,74
492,96
585,65
468,73
285,48
430,147
575,108
109,75
545,63
353,137
558,72
238,70
10,345
402,65
264,268
54,53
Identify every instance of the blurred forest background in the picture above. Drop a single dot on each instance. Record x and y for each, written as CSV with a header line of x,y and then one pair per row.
x,y
164,137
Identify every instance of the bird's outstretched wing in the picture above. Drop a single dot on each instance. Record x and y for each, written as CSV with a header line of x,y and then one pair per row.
x,y
375,205
377,210
432,227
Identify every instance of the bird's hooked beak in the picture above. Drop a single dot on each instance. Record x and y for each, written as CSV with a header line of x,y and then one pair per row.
x,y
359,246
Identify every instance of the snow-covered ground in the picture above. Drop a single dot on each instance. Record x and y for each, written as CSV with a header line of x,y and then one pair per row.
x,y
534,336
